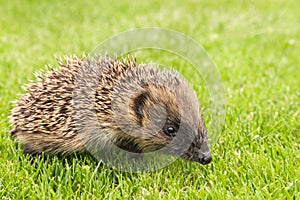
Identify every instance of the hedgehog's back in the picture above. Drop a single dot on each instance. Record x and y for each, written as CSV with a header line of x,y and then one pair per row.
x,y
42,118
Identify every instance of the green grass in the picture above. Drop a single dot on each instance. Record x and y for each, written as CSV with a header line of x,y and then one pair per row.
x,y
255,46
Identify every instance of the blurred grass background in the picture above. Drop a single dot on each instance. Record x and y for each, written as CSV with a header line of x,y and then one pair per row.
x,y
255,45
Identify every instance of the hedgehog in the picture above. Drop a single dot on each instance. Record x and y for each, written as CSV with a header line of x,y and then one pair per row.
x,y
95,103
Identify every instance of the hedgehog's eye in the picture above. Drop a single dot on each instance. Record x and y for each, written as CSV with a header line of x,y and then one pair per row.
x,y
170,130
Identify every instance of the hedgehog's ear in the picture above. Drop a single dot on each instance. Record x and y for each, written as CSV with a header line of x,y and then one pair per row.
x,y
139,103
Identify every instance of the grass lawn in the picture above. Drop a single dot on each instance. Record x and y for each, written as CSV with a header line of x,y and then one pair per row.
x,y
255,46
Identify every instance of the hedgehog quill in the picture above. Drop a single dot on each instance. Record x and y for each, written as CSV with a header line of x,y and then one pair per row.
x,y
139,108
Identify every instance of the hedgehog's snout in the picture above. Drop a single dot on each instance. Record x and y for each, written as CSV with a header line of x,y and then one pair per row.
x,y
204,154
199,151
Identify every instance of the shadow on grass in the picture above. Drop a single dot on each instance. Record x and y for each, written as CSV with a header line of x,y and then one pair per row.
x,y
84,163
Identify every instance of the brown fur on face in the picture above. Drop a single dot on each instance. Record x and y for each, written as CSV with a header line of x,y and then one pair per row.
x,y
152,108
94,102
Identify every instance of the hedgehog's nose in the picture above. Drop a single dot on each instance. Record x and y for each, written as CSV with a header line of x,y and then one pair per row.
x,y
206,159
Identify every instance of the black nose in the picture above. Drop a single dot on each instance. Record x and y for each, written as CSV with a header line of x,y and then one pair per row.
x,y
206,159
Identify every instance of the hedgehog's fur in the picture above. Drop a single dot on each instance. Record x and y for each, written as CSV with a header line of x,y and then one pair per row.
x,y
46,117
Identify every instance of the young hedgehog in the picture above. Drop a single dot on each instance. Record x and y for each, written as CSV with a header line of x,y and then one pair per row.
x,y
99,102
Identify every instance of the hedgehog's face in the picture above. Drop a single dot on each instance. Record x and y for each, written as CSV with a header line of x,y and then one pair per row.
x,y
156,110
